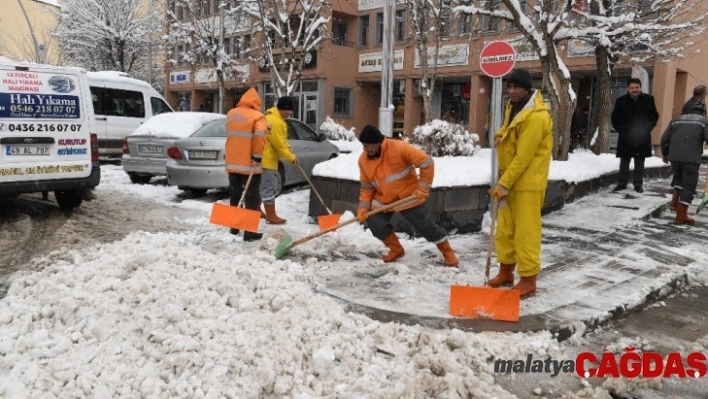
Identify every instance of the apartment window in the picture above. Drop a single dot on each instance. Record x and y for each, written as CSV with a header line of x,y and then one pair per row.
x,y
490,24
522,7
445,22
180,14
245,47
379,29
400,26
364,30
339,33
227,45
342,101
466,24
215,5
180,54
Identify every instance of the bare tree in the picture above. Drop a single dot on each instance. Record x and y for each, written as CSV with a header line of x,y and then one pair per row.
x,y
108,34
215,33
545,31
635,32
291,29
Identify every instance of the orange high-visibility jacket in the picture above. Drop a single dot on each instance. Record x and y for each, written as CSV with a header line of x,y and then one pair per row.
x,y
246,130
392,176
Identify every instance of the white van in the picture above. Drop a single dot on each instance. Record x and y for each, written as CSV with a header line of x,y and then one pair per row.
x,y
46,132
121,104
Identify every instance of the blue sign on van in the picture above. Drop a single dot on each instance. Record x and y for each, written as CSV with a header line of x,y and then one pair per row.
x,y
38,106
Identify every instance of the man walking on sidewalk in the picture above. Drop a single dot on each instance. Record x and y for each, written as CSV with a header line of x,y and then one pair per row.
x,y
246,130
276,147
634,117
682,145
387,171
524,144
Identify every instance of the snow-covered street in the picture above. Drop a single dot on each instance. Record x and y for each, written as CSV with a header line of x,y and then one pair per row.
x,y
167,305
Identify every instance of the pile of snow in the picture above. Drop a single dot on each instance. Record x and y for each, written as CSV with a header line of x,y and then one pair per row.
x,y
157,315
176,124
439,138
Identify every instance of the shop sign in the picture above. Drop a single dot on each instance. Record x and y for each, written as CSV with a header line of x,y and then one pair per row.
x,y
365,5
283,61
524,50
178,78
372,62
239,73
456,54
205,76
580,48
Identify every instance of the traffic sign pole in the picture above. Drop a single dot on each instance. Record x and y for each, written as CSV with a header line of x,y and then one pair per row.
x,y
496,60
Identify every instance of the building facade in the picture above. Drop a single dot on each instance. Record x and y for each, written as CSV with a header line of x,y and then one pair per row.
x,y
16,36
341,78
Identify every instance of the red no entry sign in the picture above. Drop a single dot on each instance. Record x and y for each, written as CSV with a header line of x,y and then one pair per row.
x,y
497,59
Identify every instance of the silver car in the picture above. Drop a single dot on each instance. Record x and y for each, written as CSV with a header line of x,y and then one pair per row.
x,y
196,163
145,150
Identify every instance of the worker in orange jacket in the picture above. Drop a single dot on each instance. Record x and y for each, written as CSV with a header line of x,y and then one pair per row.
x,y
387,172
246,130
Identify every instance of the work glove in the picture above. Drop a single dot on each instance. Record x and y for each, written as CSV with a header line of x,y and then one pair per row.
x,y
498,192
255,161
665,159
361,215
420,194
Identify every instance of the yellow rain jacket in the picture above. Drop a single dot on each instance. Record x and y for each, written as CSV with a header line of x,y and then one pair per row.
x,y
245,134
277,140
524,155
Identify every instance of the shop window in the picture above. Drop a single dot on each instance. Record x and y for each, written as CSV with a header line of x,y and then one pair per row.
x,y
364,31
342,102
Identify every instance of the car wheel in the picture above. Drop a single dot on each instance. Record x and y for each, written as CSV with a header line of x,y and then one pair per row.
x,y
280,182
68,199
195,192
139,179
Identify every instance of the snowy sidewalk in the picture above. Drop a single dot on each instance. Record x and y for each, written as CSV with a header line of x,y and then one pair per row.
x,y
603,255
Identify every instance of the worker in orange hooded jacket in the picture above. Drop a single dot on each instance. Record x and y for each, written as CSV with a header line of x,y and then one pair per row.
x,y
246,130
387,172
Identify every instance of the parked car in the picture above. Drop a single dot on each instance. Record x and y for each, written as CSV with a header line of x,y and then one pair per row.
x,y
196,163
145,150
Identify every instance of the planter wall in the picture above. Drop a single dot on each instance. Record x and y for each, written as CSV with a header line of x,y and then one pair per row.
x,y
461,209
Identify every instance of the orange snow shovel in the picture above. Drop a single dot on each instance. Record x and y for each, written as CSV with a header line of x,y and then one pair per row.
x,y
486,302
237,217
325,221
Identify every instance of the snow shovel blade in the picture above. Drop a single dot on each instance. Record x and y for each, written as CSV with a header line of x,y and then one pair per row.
x,y
234,217
283,247
327,221
485,303
702,204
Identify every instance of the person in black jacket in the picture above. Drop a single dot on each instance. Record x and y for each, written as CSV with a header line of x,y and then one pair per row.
x,y
634,117
699,95
682,145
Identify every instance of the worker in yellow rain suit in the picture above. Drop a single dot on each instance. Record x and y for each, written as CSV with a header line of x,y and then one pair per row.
x,y
524,145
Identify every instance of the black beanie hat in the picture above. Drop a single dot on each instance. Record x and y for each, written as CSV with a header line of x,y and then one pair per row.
x,y
371,135
521,77
285,103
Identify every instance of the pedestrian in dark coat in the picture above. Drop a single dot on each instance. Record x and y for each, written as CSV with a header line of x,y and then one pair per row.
x,y
634,117
682,145
699,95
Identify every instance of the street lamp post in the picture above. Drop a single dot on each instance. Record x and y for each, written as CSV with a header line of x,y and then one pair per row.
x,y
386,108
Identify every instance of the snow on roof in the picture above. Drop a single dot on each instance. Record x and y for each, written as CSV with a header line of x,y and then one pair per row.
x,y
175,124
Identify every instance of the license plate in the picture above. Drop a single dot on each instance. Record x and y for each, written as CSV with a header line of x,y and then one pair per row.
x,y
203,155
150,149
27,150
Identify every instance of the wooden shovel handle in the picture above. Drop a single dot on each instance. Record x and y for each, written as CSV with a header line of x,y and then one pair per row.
x,y
350,221
241,202
490,244
312,186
